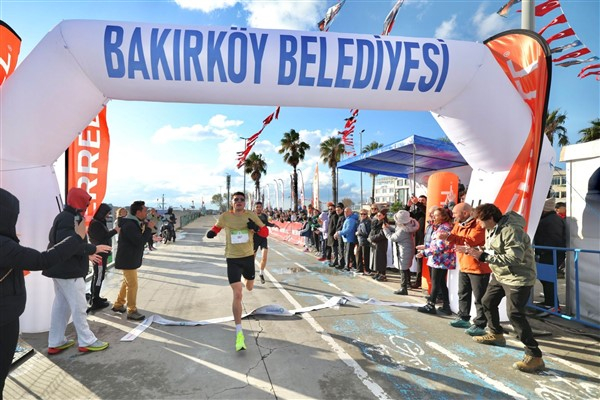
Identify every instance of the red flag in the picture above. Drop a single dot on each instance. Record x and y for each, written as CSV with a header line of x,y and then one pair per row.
x,y
591,73
88,161
277,113
10,47
589,67
252,139
503,11
529,51
388,24
545,8
573,54
268,120
561,19
332,12
567,32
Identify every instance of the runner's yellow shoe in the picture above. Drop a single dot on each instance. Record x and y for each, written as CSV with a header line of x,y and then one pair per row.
x,y
239,342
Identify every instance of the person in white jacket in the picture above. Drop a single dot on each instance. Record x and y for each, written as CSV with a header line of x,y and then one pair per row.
x,y
403,237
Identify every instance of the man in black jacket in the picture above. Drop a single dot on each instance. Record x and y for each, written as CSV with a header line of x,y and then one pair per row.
x,y
14,258
100,234
135,233
69,280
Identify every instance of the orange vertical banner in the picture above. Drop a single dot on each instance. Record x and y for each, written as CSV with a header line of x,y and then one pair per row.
x,y
88,161
525,58
10,47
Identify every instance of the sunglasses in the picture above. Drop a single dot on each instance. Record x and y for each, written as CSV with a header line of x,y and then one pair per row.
x,y
238,200
363,213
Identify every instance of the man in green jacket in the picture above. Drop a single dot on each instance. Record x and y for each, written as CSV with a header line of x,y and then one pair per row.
x,y
509,254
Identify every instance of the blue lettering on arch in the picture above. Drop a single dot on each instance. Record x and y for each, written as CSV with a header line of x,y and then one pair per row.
x,y
136,60
113,39
214,56
305,59
287,59
157,53
191,54
428,49
363,47
323,81
237,77
343,60
409,64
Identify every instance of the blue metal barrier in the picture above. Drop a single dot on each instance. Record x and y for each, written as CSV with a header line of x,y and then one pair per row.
x,y
548,273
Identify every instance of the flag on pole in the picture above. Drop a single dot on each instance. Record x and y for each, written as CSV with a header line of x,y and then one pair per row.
x,y
88,161
503,11
544,8
242,155
316,187
332,12
561,19
388,24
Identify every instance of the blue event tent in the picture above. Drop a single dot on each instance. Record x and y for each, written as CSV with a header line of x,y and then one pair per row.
x,y
413,155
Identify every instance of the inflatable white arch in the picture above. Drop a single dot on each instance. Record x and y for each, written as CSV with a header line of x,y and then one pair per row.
x,y
80,65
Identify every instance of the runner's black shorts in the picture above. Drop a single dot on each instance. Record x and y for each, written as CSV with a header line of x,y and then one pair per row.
x,y
260,241
236,267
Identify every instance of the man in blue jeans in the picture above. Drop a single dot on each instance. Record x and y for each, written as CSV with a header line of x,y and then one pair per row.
x,y
509,253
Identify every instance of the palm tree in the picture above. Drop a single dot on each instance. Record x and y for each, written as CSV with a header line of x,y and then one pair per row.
x,y
370,147
256,166
293,151
555,126
331,154
591,133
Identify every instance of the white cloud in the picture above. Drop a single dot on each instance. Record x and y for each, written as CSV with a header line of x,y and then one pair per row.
x,y
447,29
205,5
297,15
488,25
284,15
217,127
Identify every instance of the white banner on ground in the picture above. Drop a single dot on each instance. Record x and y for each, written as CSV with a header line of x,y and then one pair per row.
x,y
271,309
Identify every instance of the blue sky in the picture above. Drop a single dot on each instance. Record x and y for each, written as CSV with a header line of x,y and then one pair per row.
x,y
184,151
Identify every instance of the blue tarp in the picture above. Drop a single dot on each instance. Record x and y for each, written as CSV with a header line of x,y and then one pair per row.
x,y
396,159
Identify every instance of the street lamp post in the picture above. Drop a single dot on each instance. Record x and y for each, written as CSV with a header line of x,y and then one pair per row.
x,y
361,174
282,193
243,167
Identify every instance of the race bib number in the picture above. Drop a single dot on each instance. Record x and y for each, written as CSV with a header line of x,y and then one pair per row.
x,y
240,236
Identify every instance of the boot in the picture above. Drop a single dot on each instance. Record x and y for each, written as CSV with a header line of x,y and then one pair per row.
x,y
530,364
97,301
494,339
404,280
417,283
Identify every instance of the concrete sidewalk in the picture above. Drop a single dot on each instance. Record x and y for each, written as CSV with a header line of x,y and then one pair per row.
x,y
292,357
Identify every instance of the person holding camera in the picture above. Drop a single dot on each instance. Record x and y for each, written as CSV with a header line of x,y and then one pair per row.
x,y
15,258
240,226
69,279
135,233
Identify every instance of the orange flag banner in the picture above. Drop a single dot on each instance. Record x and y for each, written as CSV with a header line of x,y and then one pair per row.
x,y
10,47
88,161
525,58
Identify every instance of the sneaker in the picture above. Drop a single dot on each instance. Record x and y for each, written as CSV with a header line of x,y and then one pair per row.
x,y
402,292
98,345
339,267
262,278
382,278
59,349
135,316
474,330
494,339
121,309
530,364
99,305
460,323
445,310
240,344
321,259
306,250
427,309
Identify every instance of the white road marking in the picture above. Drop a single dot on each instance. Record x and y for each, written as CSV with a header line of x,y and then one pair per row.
x,y
467,366
377,390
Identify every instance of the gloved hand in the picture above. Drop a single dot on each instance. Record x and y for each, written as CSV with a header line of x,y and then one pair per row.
x,y
211,234
252,225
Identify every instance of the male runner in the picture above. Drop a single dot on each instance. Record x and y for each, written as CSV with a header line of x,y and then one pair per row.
x,y
240,226
261,242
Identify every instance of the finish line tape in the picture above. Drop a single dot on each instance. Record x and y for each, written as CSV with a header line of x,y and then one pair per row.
x,y
271,309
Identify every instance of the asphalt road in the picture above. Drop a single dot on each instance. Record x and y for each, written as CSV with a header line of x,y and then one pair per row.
x,y
351,351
